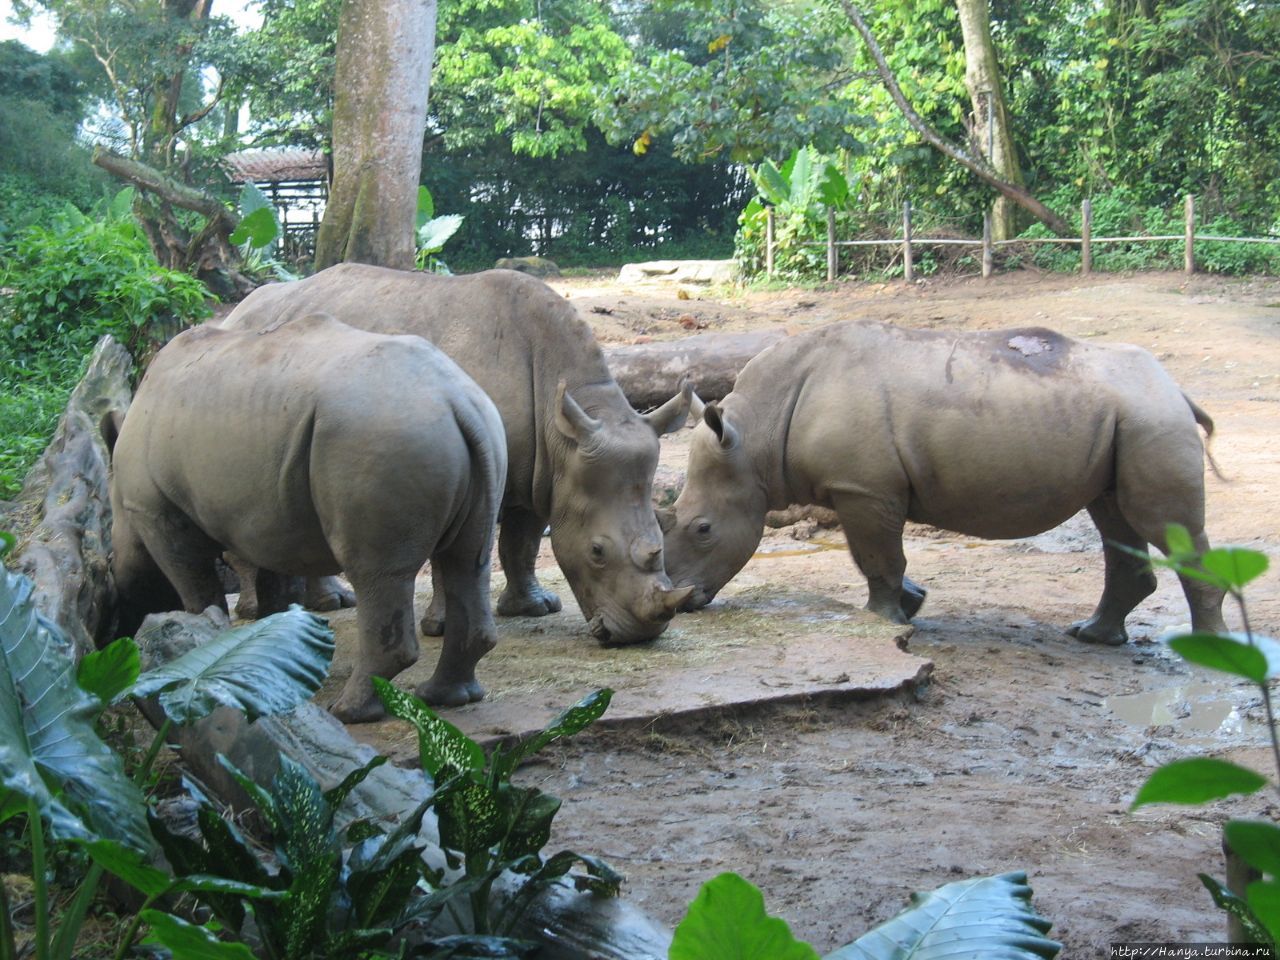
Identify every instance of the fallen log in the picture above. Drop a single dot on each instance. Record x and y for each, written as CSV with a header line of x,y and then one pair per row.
x,y
650,373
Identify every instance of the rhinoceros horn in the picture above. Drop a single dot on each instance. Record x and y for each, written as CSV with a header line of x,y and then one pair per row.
x,y
571,420
673,599
672,414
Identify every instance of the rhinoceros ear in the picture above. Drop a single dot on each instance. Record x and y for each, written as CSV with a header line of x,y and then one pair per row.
x,y
672,414
666,519
571,420
725,432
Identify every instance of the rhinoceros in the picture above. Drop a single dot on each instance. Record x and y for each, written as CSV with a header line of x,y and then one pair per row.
x,y
581,458
307,450
998,434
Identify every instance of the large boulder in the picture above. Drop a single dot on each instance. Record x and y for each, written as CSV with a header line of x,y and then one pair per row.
x,y
534,266
703,272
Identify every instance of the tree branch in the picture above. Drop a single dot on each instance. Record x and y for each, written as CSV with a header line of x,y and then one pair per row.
x,y
974,165
166,188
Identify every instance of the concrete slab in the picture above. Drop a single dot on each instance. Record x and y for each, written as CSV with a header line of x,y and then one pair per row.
x,y
765,639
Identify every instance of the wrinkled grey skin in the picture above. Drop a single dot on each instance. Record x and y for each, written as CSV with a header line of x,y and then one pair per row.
x,y
998,434
307,450
581,459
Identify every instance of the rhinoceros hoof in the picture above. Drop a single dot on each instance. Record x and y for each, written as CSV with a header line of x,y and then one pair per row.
x,y
1090,631
359,705
432,626
336,599
536,603
458,693
912,598
247,609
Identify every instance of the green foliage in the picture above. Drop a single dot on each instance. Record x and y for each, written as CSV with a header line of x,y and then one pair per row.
x,y
1203,779
432,232
727,921
84,277
488,825
72,786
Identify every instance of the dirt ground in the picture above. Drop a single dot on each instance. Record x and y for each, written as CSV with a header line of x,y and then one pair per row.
x,y
1026,747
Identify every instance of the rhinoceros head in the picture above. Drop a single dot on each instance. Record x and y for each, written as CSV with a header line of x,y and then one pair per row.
x,y
603,530
715,525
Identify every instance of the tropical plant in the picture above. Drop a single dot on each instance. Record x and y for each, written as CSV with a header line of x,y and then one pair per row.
x,y
432,233
488,825
1199,780
72,786
988,917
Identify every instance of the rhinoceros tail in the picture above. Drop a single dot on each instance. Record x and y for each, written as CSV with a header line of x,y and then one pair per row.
x,y
486,443
1206,423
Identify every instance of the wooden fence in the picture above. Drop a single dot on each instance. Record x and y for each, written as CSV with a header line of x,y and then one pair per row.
x,y
908,242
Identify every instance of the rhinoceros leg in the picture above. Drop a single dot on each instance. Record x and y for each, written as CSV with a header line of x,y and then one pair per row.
x,y
469,632
518,540
433,619
1128,580
873,528
388,641
185,555
327,593
912,597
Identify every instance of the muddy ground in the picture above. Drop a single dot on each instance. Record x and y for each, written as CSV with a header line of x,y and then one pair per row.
x,y
1025,748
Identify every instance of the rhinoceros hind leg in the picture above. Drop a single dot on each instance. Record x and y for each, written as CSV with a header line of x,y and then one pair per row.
x,y
518,542
462,576
324,594
1128,579
186,556
388,643
873,528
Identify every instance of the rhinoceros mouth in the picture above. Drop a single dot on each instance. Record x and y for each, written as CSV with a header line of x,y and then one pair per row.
x,y
697,600
613,637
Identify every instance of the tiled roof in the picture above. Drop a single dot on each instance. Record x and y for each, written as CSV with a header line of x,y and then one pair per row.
x,y
276,165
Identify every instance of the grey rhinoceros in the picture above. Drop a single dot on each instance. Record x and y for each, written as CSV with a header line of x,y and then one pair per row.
x,y
997,434
310,449
581,458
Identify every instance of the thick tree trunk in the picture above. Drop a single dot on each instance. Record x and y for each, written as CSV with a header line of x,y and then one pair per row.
x,y
976,165
650,373
379,119
990,119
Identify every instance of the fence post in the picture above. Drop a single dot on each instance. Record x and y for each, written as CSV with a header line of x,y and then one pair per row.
x,y
988,254
907,271
833,264
768,242
1086,237
1190,233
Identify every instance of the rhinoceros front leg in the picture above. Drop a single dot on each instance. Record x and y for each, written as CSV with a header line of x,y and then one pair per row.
x,y
518,540
873,527
324,594
388,642
1128,579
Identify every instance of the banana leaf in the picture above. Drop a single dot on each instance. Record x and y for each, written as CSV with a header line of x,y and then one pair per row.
x,y
987,917
49,752
262,668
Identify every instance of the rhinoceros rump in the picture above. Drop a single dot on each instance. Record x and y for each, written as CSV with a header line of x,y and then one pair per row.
x,y
307,450
997,434
581,458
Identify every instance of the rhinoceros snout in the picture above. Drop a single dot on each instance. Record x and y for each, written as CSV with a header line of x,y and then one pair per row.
x,y
696,599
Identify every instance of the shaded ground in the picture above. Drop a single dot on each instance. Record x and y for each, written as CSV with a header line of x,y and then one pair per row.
x,y
1025,748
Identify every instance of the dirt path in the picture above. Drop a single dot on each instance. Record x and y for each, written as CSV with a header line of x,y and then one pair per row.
x,y
1026,748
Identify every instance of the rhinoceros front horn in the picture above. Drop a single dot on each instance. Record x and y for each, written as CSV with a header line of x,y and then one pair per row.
x,y
672,414
571,420
672,600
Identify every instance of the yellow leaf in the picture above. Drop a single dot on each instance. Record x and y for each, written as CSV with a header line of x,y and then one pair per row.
x,y
719,43
641,146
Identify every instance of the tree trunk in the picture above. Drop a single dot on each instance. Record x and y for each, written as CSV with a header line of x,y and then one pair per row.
x,y
975,165
650,373
990,119
382,77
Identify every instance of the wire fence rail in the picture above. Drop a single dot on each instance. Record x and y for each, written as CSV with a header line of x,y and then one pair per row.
x,y
1086,241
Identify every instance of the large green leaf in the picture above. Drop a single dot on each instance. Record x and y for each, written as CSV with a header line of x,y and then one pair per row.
x,y
258,229
49,751
1237,566
190,942
1257,843
435,233
988,917
110,672
440,743
573,720
1225,653
727,921
310,848
1197,780
262,668
1228,902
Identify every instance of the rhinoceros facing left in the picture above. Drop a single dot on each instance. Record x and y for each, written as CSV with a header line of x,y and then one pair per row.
x,y
307,450
998,434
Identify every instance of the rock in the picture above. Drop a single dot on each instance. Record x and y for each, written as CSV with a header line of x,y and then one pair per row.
x,y
813,517
650,373
702,272
63,516
534,266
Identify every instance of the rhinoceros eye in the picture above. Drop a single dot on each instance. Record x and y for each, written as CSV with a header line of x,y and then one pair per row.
x,y
703,527
597,552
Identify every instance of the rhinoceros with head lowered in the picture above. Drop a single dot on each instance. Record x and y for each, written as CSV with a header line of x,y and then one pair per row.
x,y
581,459
310,449
998,434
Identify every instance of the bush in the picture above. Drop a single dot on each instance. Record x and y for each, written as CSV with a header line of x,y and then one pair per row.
x,y
66,285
